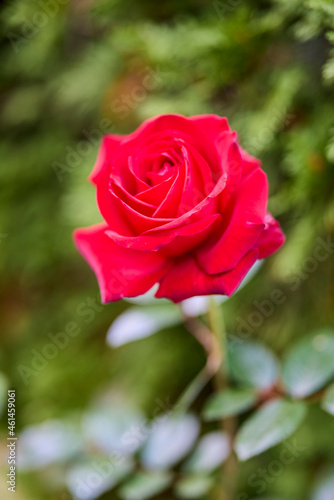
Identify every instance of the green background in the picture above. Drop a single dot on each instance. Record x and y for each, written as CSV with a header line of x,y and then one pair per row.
x,y
73,69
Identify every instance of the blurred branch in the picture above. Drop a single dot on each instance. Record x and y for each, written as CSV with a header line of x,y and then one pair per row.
x,y
209,342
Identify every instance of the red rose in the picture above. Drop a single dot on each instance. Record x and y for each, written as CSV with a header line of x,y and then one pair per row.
x,y
183,206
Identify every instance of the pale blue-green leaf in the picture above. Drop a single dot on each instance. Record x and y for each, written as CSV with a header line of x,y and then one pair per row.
x,y
95,475
252,363
193,486
147,298
324,487
196,306
109,427
309,364
51,442
137,323
211,451
171,438
271,424
328,401
228,403
145,485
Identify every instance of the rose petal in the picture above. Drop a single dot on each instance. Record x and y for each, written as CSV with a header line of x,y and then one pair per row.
x,y
204,209
157,193
150,159
138,205
140,185
186,237
271,238
120,272
198,179
182,128
189,237
108,146
111,207
249,161
232,165
212,125
119,215
169,206
186,279
141,222
244,227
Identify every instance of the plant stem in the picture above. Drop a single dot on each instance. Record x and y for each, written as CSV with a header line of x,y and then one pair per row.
x,y
214,341
191,392
217,327
230,466
204,336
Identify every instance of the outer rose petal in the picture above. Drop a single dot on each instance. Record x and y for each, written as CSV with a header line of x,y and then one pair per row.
x,y
109,144
225,140
271,238
120,272
244,227
185,279
232,164
212,125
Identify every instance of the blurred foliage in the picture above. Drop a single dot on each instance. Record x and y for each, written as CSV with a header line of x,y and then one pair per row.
x,y
74,69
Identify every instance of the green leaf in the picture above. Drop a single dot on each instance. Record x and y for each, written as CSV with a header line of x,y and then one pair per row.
x,y
324,486
328,400
137,323
209,454
193,486
171,439
105,424
50,442
228,403
109,472
309,364
272,423
253,364
145,485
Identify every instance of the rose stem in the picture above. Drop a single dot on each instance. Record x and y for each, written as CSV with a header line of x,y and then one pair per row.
x,y
214,342
206,338
230,466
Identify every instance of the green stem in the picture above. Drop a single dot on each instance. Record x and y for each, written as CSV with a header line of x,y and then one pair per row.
x,y
214,342
230,466
217,326
204,336
191,392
